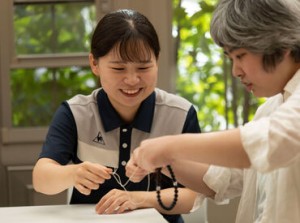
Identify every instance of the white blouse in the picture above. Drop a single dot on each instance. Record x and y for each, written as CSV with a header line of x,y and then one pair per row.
x,y
271,187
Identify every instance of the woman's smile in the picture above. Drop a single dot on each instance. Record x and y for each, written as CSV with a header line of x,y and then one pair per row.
x,y
131,92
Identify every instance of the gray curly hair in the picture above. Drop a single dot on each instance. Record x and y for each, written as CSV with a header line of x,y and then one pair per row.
x,y
267,27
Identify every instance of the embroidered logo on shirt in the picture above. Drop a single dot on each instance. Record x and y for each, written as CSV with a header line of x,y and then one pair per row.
x,y
99,139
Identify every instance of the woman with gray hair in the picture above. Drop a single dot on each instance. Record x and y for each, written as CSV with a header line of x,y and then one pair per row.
x,y
259,161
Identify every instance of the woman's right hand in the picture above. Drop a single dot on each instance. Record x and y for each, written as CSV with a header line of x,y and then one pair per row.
x,y
134,173
88,176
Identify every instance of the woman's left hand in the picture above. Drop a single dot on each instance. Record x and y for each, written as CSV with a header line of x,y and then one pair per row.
x,y
119,201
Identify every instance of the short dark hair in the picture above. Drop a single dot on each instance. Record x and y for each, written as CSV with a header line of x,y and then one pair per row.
x,y
127,31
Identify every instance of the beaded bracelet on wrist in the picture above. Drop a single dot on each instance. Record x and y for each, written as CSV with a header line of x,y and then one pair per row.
x,y
158,188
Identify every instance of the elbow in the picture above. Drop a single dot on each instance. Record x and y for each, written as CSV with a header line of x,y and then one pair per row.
x,y
246,163
190,197
38,183
243,161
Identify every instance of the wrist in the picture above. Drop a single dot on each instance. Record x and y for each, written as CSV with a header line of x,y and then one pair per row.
x,y
143,199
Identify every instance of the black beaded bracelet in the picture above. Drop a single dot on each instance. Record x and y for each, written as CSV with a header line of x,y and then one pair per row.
x,y
158,188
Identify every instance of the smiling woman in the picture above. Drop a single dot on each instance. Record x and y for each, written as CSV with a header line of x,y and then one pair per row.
x,y
127,66
99,131
126,83
33,83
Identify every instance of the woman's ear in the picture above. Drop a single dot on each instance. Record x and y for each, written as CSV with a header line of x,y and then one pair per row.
x,y
287,53
93,64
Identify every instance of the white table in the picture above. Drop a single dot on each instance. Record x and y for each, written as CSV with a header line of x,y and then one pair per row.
x,y
74,213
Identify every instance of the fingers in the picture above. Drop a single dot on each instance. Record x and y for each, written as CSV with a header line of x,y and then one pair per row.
x,y
83,189
141,160
115,202
88,176
134,173
124,207
153,153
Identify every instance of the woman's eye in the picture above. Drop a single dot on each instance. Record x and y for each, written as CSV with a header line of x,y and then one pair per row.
x,y
143,68
239,56
118,68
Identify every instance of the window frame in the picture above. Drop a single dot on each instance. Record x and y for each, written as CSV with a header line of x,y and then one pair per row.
x,y
17,135
10,134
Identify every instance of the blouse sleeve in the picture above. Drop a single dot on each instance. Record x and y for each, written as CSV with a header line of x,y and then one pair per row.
x,y
226,182
274,141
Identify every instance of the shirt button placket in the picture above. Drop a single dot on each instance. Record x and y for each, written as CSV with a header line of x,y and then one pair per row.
x,y
124,145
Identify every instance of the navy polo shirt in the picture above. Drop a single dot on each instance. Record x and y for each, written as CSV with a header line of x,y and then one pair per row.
x,y
62,140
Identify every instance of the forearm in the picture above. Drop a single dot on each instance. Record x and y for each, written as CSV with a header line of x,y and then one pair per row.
x,y
185,202
190,174
49,177
222,148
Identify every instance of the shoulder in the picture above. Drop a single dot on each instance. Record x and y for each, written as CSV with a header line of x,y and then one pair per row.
x,y
269,106
84,99
164,98
63,117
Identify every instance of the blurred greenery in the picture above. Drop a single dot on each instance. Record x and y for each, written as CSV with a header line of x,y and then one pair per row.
x,y
46,29
203,73
38,92
53,28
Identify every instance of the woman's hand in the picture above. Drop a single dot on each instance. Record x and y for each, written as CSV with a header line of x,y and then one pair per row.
x,y
88,176
153,153
134,173
119,201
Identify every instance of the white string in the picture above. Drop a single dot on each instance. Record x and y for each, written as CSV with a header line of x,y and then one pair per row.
x,y
118,180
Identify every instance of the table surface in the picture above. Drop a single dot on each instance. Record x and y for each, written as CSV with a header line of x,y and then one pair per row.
x,y
75,213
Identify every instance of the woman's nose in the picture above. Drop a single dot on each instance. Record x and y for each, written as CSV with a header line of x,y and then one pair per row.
x,y
132,78
236,70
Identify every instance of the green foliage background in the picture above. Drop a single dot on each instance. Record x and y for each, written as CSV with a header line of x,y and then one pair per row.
x,y
203,73
42,29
